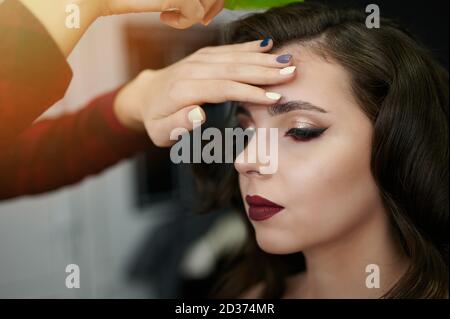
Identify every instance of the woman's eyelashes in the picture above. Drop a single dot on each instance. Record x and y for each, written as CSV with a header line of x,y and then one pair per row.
x,y
243,122
304,134
304,131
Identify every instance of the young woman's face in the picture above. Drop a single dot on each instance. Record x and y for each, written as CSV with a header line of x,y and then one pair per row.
x,y
323,182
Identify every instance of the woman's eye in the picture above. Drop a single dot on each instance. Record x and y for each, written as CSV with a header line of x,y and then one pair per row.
x,y
243,123
304,134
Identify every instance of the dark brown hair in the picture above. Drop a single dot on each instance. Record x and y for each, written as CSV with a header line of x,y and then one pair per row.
x,y
404,92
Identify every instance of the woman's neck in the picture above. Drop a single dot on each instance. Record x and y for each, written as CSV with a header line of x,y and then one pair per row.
x,y
337,269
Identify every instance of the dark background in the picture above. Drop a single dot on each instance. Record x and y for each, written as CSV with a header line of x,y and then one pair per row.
x,y
426,19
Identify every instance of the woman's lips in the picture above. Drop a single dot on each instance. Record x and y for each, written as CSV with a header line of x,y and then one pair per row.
x,y
261,208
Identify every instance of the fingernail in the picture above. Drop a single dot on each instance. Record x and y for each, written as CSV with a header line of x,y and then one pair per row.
x,y
285,58
195,115
273,96
171,10
288,70
265,42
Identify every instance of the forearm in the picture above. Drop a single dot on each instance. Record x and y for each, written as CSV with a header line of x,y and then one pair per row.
x,y
62,151
52,14
176,13
34,73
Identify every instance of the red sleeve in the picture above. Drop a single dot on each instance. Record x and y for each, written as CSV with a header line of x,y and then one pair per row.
x,y
59,152
34,73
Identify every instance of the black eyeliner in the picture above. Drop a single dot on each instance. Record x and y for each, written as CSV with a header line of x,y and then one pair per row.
x,y
305,133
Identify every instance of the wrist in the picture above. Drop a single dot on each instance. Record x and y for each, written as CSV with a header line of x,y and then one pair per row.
x,y
101,8
93,8
123,112
53,16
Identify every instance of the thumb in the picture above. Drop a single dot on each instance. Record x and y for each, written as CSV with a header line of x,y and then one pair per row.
x,y
161,131
176,20
182,14
134,6
191,9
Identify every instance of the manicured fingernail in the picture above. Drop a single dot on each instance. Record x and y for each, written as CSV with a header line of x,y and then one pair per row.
x,y
265,42
273,96
285,58
171,10
287,71
195,115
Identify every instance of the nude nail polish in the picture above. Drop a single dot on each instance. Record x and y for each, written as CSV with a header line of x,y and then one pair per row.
x,y
273,96
289,70
195,115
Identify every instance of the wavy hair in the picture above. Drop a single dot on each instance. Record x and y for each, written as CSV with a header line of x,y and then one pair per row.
x,y
403,90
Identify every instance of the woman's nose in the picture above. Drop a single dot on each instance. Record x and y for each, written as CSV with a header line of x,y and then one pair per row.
x,y
248,162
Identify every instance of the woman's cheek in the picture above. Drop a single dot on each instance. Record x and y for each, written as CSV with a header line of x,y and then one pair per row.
x,y
323,190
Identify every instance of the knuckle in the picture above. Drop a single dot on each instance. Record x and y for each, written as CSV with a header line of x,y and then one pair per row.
x,y
204,50
174,90
232,69
187,67
226,87
145,74
197,56
182,70
192,70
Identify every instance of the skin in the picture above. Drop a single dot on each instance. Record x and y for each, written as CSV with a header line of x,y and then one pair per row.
x,y
179,14
157,101
160,101
333,210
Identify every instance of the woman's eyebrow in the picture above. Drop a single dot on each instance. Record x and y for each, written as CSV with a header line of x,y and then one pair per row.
x,y
281,108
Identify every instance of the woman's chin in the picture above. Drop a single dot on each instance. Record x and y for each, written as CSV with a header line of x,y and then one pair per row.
x,y
276,244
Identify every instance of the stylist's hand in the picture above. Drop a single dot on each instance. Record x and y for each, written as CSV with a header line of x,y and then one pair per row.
x,y
53,14
179,14
160,101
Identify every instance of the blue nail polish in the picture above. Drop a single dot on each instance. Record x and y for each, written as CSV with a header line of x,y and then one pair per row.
x,y
265,42
285,58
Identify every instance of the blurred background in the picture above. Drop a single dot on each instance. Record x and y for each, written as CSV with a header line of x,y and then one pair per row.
x,y
131,230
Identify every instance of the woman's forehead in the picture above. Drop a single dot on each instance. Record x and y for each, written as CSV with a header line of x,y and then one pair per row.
x,y
318,81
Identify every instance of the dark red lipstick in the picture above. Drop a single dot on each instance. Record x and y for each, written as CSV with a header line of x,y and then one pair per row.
x,y
261,208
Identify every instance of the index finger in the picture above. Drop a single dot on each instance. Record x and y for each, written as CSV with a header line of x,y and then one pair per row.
x,y
213,11
182,13
262,45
